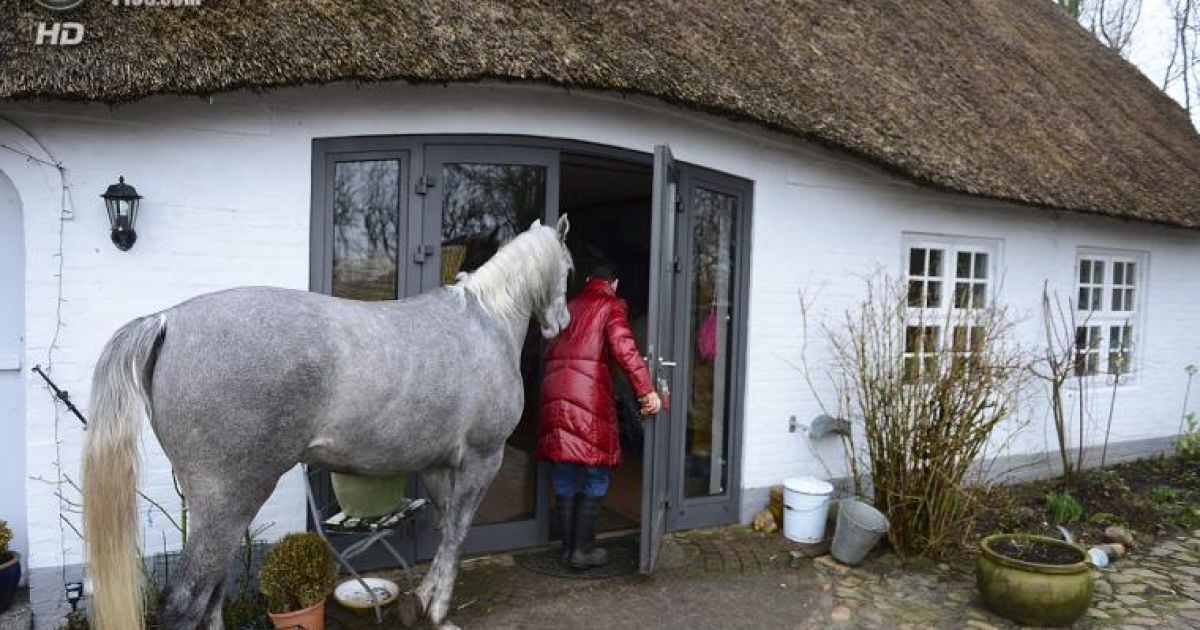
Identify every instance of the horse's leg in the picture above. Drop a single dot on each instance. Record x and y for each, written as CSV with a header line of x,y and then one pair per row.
x,y
464,490
219,510
439,484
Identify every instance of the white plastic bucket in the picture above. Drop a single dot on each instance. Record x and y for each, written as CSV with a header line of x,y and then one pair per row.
x,y
805,508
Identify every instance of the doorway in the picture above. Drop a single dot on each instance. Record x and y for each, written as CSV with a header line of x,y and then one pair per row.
x,y
12,315
396,216
609,203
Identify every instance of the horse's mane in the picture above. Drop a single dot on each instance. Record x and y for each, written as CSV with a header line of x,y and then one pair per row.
x,y
530,263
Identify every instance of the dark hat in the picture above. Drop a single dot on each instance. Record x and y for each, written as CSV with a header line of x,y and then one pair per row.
x,y
603,271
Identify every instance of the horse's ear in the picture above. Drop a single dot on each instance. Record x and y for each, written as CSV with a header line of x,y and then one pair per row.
x,y
564,226
536,223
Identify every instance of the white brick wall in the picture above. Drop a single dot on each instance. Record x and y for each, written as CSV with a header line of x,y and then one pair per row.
x,y
226,186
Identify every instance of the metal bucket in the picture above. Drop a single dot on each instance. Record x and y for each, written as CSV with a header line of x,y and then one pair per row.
x,y
859,527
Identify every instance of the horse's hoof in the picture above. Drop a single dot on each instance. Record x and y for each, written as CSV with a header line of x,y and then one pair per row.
x,y
408,608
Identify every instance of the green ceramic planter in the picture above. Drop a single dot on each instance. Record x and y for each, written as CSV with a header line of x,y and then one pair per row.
x,y
1032,593
367,497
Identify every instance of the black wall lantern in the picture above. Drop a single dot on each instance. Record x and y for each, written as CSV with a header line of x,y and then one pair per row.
x,y
122,202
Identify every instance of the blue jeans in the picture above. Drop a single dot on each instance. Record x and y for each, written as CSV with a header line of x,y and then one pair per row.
x,y
566,479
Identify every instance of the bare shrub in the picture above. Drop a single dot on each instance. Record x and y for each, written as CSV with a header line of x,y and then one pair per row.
x,y
930,391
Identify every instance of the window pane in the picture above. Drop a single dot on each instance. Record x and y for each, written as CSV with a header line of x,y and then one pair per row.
x,y
962,268
979,295
930,364
1097,294
962,295
366,216
910,369
929,338
916,293
1130,276
912,335
1118,273
1097,272
981,266
916,261
1085,271
933,295
1117,294
1129,306
710,376
484,206
1084,299
959,339
935,262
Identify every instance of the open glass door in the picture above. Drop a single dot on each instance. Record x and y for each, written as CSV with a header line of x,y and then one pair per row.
x,y
660,352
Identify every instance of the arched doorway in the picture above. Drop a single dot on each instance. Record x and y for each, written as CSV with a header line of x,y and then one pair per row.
x,y
12,398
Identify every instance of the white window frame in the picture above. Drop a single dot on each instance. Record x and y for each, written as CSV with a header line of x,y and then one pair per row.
x,y
1105,319
943,316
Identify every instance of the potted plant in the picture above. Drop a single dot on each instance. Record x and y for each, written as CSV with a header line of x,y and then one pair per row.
x,y
10,568
296,576
1033,580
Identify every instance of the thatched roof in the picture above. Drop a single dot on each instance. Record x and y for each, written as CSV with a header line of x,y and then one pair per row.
x,y
1001,98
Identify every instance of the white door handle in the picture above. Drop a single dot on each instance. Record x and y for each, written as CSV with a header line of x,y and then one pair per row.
x,y
669,364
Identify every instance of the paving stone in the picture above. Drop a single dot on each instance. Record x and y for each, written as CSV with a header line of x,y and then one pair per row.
x,y
1130,600
1144,590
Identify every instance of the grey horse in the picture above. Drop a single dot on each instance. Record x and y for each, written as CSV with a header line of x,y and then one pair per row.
x,y
241,385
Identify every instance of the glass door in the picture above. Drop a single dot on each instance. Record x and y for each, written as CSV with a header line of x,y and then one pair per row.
x,y
475,199
709,328
660,353
359,251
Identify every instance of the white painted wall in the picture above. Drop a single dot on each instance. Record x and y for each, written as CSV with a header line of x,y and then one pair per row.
x,y
226,186
12,396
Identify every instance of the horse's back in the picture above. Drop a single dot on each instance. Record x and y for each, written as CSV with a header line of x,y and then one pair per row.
x,y
287,371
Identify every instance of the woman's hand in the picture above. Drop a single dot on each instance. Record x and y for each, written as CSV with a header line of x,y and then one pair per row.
x,y
650,404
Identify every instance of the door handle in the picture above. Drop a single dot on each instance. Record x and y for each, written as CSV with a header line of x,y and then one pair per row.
x,y
664,363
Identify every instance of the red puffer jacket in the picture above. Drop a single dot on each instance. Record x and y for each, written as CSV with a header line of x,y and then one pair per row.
x,y
578,421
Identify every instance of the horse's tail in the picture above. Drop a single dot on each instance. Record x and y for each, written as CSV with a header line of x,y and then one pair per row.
x,y
120,401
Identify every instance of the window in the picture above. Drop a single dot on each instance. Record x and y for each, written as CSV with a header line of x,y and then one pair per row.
x,y
1106,312
949,280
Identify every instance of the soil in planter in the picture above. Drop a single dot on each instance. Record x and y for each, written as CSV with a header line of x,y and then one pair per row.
x,y
1028,551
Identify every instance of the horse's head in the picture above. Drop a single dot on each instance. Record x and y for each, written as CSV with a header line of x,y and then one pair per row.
x,y
552,314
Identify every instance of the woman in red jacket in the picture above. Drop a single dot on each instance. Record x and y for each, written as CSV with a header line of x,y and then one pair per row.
x,y
578,427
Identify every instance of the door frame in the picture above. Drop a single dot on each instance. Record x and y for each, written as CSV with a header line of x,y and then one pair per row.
x,y
15,499
411,149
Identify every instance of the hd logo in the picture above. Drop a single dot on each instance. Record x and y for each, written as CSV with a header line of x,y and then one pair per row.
x,y
58,33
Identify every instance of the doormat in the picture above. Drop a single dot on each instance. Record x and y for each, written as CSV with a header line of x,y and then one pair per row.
x,y
622,560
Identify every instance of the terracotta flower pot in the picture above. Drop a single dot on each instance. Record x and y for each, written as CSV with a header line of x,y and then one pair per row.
x,y
1031,592
311,618
10,576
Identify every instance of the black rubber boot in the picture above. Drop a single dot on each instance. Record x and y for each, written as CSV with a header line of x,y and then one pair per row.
x,y
585,554
564,522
